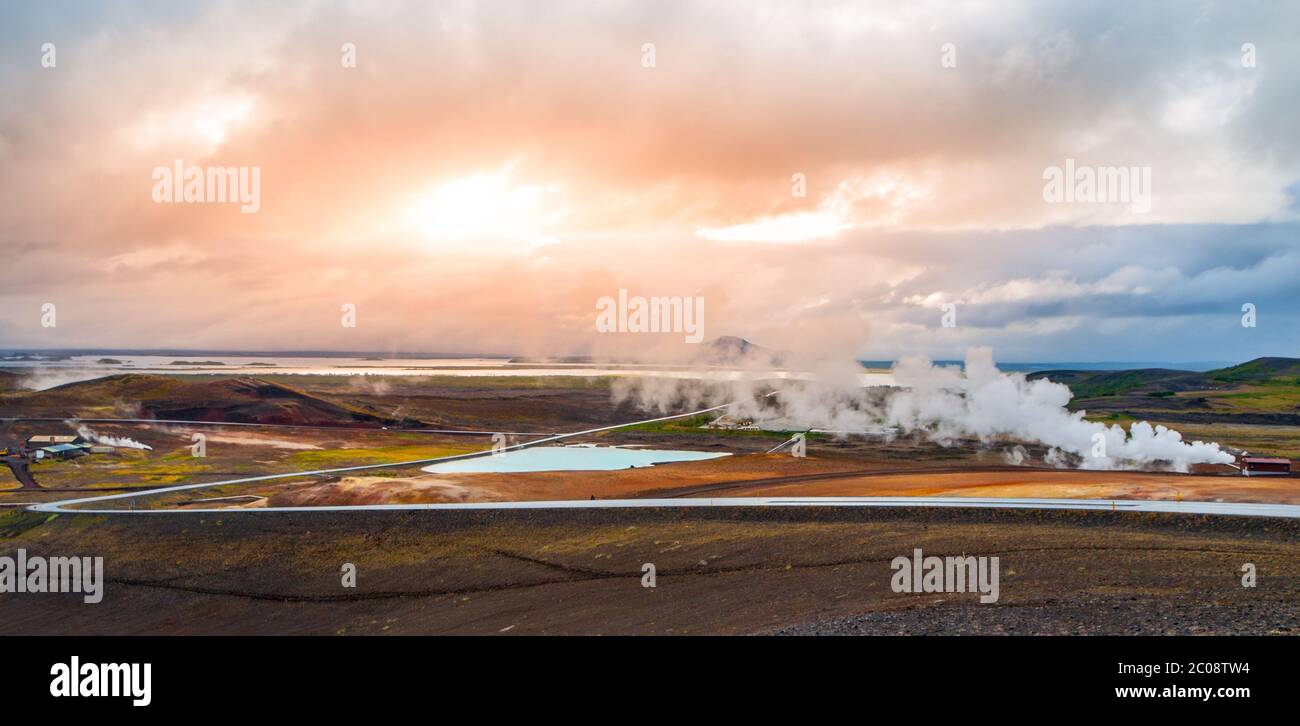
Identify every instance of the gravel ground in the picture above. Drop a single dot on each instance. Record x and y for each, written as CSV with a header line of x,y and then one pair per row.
x,y
741,571
1097,616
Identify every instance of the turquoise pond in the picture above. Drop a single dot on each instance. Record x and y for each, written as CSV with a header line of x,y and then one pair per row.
x,y
569,458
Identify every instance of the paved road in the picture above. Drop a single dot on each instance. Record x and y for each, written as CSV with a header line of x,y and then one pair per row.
x,y
22,471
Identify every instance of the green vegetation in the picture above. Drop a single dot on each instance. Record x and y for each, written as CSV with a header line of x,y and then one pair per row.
x,y
1261,370
15,522
692,425
1274,397
695,425
338,458
1264,385
1115,384
1252,406
1108,418
172,468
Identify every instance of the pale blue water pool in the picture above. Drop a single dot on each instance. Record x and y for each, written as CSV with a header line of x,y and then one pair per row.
x,y
569,458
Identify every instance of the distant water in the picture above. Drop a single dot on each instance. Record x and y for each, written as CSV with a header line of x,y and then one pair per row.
x,y
43,374
569,458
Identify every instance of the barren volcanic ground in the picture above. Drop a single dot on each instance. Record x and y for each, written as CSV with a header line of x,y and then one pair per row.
x,y
782,475
741,571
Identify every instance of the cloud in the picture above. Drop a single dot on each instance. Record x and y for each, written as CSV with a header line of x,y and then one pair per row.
x,y
584,171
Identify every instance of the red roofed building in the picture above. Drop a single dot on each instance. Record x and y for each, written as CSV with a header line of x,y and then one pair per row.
x,y
1265,466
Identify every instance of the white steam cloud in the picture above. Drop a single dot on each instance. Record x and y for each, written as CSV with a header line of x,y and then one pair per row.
x,y
985,403
943,404
121,442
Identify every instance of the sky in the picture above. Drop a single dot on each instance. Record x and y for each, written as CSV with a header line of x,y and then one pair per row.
x,y
872,179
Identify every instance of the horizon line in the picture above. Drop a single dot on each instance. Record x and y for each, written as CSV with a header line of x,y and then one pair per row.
x,y
321,353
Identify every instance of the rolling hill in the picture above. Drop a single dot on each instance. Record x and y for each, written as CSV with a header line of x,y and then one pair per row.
x,y
1264,392
1091,384
236,400
1261,370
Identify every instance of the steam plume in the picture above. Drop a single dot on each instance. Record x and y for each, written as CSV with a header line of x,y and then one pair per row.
x,y
985,403
943,404
122,442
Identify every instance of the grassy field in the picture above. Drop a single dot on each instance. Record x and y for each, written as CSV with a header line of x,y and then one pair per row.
x,y
1273,397
335,458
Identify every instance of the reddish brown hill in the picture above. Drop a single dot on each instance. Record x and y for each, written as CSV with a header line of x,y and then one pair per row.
x,y
237,400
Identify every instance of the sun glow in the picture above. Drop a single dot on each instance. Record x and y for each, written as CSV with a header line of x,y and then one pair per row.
x,y
489,208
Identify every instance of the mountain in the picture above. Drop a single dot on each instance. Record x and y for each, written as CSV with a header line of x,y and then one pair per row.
x,y
731,350
726,347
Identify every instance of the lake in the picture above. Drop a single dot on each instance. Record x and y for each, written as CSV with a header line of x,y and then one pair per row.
x,y
569,458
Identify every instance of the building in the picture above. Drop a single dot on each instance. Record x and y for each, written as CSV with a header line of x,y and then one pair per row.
x,y
36,442
64,451
1265,466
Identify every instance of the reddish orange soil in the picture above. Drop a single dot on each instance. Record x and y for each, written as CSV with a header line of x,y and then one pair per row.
x,y
781,475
